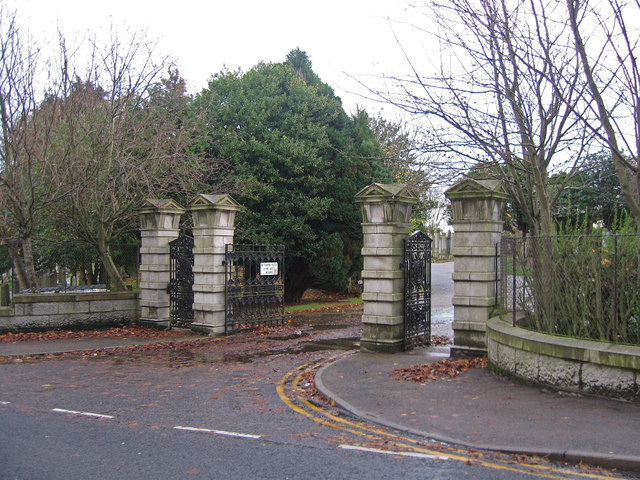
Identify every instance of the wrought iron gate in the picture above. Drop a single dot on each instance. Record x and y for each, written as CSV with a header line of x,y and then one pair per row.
x,y
254,286
417,290
181,281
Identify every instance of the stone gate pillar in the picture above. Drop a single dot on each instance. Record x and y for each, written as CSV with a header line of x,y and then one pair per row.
x,y
159,225
385,224
213,228
477,207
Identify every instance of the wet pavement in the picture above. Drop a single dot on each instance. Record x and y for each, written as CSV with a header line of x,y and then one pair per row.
x,y
477,409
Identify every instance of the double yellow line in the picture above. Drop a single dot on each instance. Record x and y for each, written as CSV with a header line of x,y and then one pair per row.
x,y
319,415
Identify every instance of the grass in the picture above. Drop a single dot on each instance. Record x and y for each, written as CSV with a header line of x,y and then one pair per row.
x,y
314,305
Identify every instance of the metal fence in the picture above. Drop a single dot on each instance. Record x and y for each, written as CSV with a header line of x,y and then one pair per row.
x,y
584,286
63,267
254,287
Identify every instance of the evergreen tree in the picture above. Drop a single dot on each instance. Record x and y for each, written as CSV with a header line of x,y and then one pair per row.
x,y
301,160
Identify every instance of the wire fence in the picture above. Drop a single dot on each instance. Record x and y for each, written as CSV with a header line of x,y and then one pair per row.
x,y
584,286
64,267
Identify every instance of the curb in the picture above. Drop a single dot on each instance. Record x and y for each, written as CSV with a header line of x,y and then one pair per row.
x,y
620,462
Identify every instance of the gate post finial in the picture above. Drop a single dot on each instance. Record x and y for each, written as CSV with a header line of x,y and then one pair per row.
x,y
386,209
159,225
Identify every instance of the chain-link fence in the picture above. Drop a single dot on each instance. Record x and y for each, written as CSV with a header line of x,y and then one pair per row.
x,y
584,286
63,267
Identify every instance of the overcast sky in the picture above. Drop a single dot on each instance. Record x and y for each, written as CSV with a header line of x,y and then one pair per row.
x,y
345,39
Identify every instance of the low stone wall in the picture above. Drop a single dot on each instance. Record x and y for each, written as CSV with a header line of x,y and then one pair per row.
x,y
569,364
32,312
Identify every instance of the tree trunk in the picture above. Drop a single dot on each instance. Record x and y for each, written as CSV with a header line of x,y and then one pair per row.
x,y
29,266
18,268
295,286
116,283
603,113
545,226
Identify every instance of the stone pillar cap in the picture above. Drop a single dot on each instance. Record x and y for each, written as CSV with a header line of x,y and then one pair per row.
x,y
470,187
162,205
219,202
384,192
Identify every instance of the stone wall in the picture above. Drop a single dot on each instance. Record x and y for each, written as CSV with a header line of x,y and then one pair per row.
x,y
565,363
69,310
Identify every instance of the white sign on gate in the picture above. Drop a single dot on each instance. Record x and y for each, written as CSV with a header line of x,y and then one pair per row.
x,y
269,268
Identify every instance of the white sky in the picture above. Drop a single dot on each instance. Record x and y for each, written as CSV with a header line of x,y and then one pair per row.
x,y
344,38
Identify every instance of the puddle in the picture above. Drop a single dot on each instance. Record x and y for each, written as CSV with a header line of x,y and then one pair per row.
x,y
348,343
246,357
321,327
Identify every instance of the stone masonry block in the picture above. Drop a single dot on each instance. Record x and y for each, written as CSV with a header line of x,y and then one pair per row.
x,y
501,355
559,372
384,309
208,298
466,313
476,239
474,226
376,319
101,306
474,289
383,332
383,297
382,262
387,286
65,308
462,301
474,264
601,379
526,364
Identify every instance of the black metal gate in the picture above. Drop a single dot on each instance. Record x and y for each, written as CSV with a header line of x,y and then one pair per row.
x,y
417,290
181,281
254,286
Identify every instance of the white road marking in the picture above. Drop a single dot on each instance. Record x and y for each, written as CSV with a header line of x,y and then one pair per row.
x,y
86,414
388,452
5,403
218,432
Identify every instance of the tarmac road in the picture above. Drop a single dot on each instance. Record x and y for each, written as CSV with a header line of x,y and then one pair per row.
x,y
441,294
208,412
239,407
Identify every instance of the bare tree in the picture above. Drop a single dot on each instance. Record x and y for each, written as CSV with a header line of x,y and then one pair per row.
x,y
130,133
608,57
25,143
495,101
400,144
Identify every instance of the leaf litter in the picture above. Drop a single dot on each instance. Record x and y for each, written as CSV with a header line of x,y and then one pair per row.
x,y
447,369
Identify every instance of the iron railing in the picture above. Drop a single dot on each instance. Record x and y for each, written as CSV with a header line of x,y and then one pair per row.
x,y
254,287
584,286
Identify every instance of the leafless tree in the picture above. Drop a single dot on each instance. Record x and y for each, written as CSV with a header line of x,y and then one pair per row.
x,y
25,143
130,138
400,145
608,53
495,101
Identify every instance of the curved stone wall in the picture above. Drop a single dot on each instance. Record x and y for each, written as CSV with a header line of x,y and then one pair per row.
x,y
565,363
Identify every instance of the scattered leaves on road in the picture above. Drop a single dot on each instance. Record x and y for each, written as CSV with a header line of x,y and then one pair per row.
x,y
116,332
440,340
446,368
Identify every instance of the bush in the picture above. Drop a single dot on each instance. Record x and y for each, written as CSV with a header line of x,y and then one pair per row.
x,y
583,286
